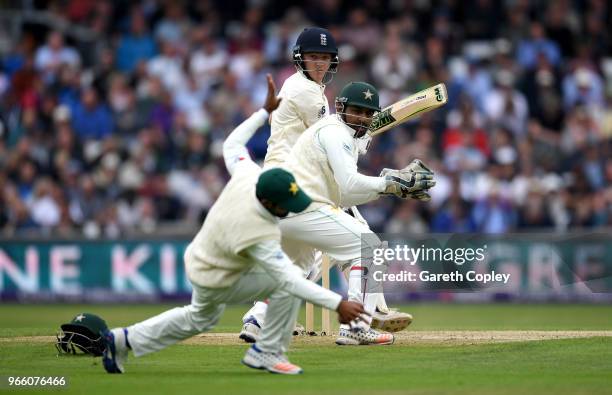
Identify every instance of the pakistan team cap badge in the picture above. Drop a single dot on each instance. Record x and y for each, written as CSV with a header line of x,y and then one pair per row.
x,y
293,188
368,95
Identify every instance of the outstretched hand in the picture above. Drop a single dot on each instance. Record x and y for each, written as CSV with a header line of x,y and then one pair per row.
x,y
272,101
350,311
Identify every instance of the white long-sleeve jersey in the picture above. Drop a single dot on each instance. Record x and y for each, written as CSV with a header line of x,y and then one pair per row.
x,y
324,163
303,103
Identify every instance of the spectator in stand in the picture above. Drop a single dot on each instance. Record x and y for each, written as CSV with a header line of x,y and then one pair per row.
x,y
44,209
507,106
584,87
453,216
174,26
168,67
50,57
137,45
91,118
105,137
362,33
208,59
465,146
558,28
542,88
393,68
537,43
494,214
476,83
581,130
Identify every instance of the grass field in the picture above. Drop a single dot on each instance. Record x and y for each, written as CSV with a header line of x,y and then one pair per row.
x,y
448,349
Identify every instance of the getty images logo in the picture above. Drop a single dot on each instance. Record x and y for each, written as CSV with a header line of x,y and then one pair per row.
x,y
323,39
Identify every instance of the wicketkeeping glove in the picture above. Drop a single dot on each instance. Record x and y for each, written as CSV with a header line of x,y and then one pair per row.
x,y
418,166
412,181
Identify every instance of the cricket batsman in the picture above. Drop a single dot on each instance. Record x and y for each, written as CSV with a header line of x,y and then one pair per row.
x,y
237,257
315,56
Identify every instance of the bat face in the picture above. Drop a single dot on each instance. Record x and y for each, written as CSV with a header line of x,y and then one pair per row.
x,y
408,108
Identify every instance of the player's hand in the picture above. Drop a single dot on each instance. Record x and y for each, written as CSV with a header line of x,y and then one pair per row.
x,y
412,181
272,101
350,311
419,167
404,183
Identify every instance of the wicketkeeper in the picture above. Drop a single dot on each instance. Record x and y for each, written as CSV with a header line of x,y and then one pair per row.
x,y
324,161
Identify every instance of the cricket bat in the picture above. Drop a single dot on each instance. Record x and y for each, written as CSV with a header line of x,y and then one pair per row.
x,y
408,108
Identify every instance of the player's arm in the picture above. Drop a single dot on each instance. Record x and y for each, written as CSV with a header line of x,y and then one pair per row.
x,y
234,146
355,188
269,255
411,181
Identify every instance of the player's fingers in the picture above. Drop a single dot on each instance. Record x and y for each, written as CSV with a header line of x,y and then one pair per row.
x,y
423,176
357,307
364,317
422,196
385,171
426,184
420,164
418,171
271,85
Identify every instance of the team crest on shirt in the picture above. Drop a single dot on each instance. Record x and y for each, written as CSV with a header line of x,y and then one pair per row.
x,y
322,112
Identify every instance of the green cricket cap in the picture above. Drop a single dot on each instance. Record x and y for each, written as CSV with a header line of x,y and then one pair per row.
x,y
359,94
279,187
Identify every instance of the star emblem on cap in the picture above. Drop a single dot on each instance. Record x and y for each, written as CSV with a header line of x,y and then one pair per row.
x,y
368,95
293,188
79,318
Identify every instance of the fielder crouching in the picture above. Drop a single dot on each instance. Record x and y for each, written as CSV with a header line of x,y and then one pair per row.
x,y
237,257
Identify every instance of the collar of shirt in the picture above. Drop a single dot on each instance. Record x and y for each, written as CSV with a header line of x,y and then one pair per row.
x,y
320,86
263,211
345,127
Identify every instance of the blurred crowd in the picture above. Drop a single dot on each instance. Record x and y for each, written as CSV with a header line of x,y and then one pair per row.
x,y
112,114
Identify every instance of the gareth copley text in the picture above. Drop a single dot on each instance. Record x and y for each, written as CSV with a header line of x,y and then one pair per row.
x,y
456,276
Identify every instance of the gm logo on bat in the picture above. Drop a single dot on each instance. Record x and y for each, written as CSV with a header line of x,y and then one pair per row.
x,y
439,96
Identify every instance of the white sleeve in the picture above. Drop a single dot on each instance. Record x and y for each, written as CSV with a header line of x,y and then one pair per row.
x,y
355,188
234,146
269,255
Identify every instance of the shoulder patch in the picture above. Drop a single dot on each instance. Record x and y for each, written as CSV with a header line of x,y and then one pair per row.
x,y
347,147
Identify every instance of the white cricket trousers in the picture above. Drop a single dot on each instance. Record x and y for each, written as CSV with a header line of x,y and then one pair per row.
x,y
207,305
335,233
